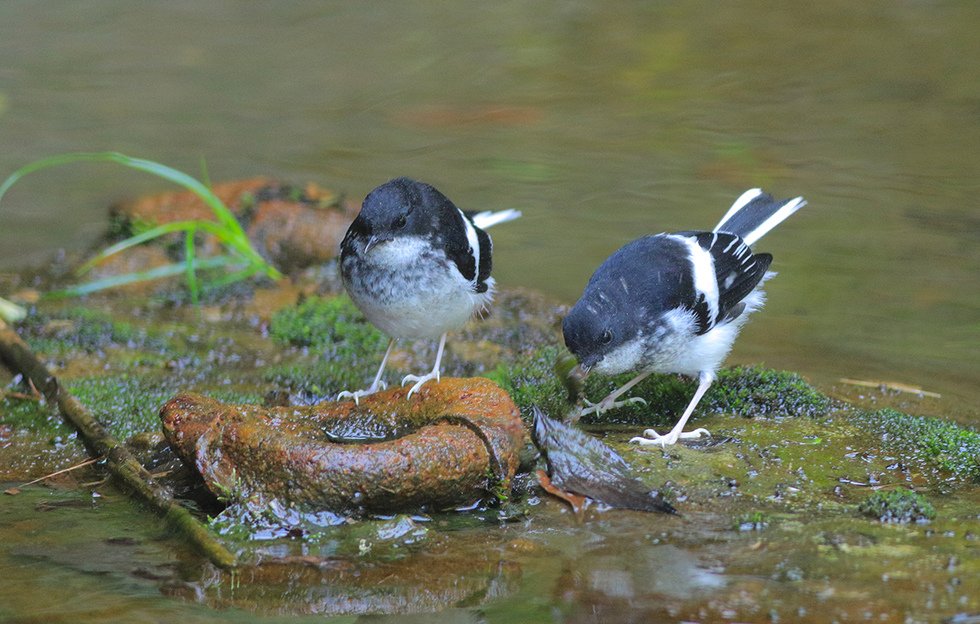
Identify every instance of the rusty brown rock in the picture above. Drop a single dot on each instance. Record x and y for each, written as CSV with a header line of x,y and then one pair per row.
x,y
290,226
467,434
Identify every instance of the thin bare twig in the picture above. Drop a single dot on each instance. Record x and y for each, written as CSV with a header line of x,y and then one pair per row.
x,y
87,462
18,357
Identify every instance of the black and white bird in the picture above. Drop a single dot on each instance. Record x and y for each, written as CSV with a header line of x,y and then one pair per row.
x,y
417,267
674,303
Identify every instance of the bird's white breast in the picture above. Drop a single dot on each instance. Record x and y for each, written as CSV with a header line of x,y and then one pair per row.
x,y
409,290
676,348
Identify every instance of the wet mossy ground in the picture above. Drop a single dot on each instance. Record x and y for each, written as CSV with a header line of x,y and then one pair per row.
x,y
747,391
770,505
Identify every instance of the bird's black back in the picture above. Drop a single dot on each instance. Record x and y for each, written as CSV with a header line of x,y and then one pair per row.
x,y
654,274
649,272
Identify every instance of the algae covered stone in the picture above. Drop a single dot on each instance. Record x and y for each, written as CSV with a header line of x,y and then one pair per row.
x,y
899,506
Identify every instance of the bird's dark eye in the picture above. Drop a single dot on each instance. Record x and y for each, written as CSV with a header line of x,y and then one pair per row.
x,y
400,222
606,337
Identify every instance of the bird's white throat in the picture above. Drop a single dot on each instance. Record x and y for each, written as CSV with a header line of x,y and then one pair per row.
x,y
400,252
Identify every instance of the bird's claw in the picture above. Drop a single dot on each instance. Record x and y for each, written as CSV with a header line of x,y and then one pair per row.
x,y
419,381
357,394
651,437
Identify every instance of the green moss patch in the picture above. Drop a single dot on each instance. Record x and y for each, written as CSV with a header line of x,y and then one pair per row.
x,y
323,376
346,347
747,391
330,323
743,391
125,404
531,381
129,404
82,329
32,415
756,391
898,506
948,445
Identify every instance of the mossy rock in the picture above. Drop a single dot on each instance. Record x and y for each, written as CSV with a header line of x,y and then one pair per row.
x,y
952,447
899,506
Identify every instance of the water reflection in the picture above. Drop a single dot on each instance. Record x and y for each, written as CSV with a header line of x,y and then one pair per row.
x,y
424,583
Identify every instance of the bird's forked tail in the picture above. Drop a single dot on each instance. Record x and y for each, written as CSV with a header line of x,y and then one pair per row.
x,y
755,213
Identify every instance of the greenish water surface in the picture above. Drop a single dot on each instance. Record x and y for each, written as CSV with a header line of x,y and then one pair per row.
x,y
602,122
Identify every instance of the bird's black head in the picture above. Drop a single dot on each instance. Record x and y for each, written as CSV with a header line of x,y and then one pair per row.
x,y
602,335
399,208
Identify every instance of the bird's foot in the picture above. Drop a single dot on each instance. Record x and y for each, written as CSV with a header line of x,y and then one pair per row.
x,y
419,381
357,394
605,405
651,437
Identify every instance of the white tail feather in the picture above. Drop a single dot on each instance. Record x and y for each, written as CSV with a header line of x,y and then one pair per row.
x,y
740,203
778,217
749,226
486,219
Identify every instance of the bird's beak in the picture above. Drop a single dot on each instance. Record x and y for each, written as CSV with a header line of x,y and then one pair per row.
x,y
579,373
374,241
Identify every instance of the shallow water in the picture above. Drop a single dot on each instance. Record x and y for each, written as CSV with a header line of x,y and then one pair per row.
x,y
99,559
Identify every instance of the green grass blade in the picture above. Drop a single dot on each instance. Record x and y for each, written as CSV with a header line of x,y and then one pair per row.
x,y
189,264
133,241
205,176
231,232
167,270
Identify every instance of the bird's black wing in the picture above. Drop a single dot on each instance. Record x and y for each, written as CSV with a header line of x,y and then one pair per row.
x,y
737,270
486,259
452,236
486,252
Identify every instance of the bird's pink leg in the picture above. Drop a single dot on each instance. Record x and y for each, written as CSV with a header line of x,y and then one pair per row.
x,y
651,437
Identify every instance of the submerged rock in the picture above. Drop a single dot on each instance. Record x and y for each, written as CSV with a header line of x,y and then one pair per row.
x,y
458,444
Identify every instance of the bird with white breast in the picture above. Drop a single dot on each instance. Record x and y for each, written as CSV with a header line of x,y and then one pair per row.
x,y
417,267
674,303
